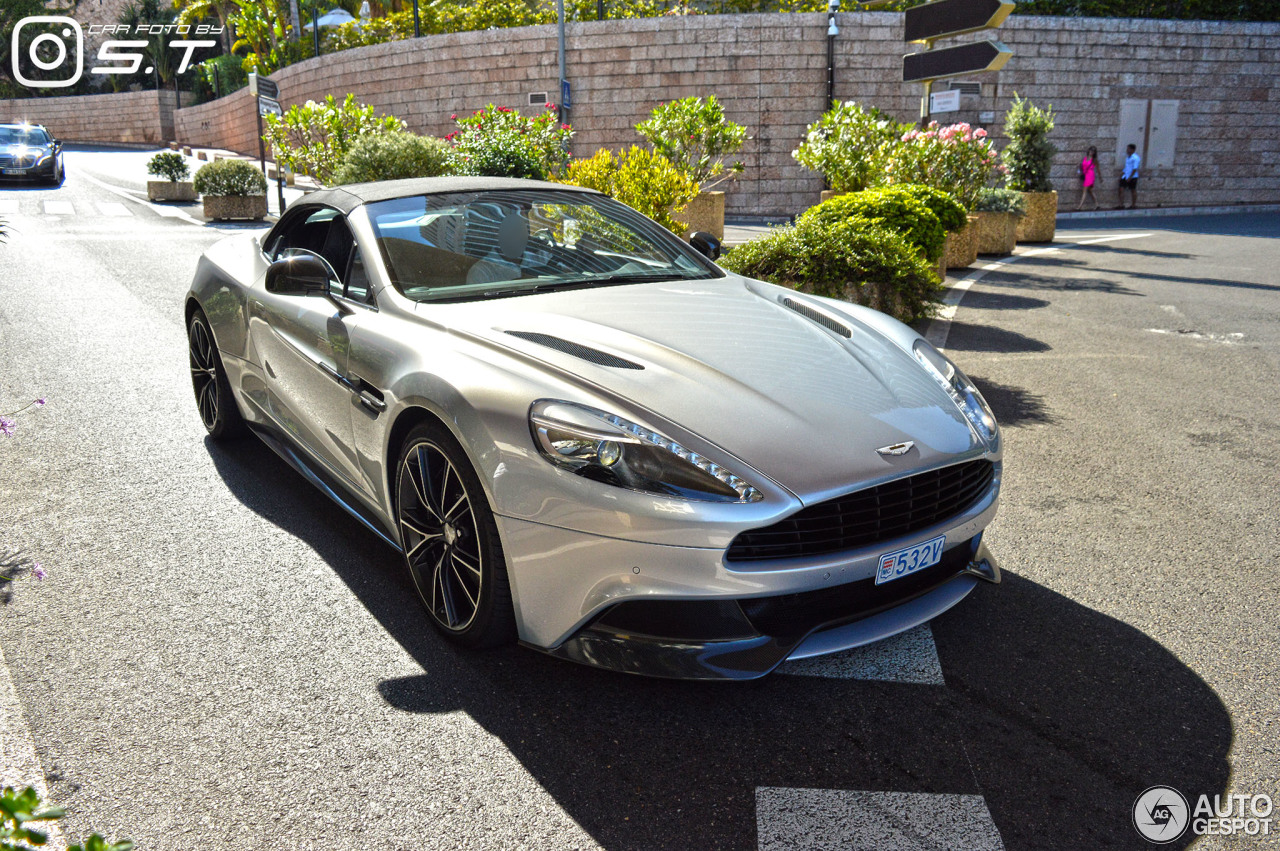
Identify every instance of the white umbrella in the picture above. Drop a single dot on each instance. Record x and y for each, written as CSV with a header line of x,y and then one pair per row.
x,y
332,19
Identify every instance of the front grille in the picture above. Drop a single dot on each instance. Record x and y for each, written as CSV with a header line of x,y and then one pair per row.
x,y
866,517
9,161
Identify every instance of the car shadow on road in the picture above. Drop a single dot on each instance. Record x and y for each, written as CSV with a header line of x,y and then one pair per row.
x,y
1057,714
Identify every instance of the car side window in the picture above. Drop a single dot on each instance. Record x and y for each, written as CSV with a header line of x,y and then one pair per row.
x,y
324,233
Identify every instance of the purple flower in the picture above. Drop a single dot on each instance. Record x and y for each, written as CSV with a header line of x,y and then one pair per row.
x,y
40,402
38,572
7,426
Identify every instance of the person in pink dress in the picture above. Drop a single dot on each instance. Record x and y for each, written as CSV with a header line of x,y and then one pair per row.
x,y
1088,176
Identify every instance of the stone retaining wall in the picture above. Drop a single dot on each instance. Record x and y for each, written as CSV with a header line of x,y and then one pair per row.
x,y
130,117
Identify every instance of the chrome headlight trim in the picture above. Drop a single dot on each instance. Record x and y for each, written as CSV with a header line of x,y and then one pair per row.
x,y
613,450
961,390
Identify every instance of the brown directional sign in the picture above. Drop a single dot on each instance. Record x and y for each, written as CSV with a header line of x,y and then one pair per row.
x,y
945,18
954,61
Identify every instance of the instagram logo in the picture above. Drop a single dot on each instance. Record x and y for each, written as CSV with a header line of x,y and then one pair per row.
x,y
57,32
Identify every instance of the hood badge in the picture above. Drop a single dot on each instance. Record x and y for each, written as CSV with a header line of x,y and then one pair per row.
x,y
896,449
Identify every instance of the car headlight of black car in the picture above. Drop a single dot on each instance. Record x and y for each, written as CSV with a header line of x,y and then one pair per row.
x,y
961,390
607,448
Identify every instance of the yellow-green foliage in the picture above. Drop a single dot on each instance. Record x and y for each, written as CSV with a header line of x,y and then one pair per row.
x,y
641,179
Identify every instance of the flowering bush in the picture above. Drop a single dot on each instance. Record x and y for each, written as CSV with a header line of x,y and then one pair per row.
x,y
849,146
1029,154
896,211
958,159
498,141
694,136
170,165
231,178
870,266
641,179
315,137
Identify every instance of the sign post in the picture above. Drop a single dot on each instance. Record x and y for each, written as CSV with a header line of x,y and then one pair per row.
x,y
267,95
944,19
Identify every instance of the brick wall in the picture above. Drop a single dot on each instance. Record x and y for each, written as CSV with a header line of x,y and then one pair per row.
x,y
770,71
132,117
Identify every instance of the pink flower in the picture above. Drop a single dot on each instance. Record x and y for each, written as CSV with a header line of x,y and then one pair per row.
x,y
453,117
980,133
551,106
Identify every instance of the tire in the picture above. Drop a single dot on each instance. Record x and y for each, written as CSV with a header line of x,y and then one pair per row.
x,y
451,544
214,401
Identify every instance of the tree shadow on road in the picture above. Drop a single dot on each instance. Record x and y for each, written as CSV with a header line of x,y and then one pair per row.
x,y
1059,715
1014,406
968,337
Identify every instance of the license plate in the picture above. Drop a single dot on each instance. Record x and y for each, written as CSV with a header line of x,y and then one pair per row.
x,y
905,562
15,171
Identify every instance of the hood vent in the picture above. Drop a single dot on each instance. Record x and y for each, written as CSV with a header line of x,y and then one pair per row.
x,y
577,350
817,316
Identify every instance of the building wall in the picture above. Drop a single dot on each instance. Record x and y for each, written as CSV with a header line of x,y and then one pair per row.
x,y
129,117
770,72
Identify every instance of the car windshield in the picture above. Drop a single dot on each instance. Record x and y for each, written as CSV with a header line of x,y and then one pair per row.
x,y
462,246
33,136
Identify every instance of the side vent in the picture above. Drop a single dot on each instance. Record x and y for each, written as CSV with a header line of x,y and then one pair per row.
x,y
817,316
577,350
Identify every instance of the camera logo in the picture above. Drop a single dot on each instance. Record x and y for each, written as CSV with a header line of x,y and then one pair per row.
x,y
51,43
1160,814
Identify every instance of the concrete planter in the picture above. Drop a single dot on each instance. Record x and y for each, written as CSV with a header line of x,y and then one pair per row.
x,y
705,213
1041,219
169,190
940,268
961,248
997,233
828,194
221,207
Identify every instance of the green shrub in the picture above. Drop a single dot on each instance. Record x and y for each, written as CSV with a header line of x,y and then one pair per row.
x,y
1001,201
891,210
225,73
170,165
641,179
951,214
230,177
849,146
1029,153
393,156
315,137
498,141
871,266
694,136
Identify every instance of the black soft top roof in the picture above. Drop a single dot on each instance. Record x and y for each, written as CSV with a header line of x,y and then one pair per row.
x,y
347,198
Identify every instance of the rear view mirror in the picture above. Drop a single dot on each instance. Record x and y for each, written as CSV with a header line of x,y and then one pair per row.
x,y
706,244
301,274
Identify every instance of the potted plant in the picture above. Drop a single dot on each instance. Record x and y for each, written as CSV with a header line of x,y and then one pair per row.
x,y
1029,156
695,137
175,171
849,147
999,211
232,189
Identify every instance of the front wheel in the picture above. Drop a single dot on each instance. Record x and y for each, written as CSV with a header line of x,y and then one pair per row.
x,y
217,408
450,540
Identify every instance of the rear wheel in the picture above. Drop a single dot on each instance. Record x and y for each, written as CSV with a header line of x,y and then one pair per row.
x,y
217,408
450,539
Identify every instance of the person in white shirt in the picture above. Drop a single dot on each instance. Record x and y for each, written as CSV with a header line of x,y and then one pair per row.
x,y
1129,178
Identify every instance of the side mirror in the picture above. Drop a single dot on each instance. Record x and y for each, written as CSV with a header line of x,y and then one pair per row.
x,y
302,274
705,244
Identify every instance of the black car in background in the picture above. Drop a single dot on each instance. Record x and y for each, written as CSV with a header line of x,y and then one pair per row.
x,y
28,152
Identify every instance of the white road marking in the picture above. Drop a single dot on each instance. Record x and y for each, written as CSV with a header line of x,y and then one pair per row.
x,y
827,819
910,657
9,208
1225,339
59,208
112,208
940,327
19,764
170,212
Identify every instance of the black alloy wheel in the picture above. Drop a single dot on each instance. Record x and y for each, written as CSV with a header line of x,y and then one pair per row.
x,y
217,408
450,540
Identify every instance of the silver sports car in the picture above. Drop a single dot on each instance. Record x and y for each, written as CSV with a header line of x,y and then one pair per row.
x,y
583,434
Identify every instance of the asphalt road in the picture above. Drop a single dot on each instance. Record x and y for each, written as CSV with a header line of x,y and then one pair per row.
x,y
220,658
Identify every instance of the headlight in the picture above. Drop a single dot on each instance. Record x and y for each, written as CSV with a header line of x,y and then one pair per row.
x,y
961,390
610,449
